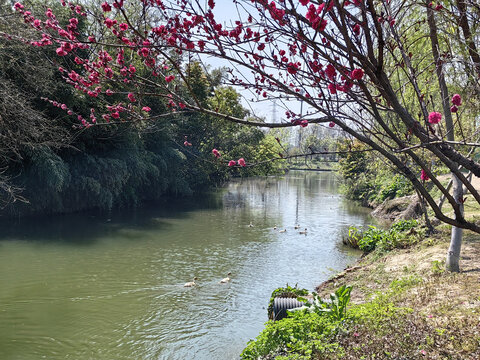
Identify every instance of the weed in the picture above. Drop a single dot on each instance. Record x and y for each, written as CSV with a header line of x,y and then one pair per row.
x,y
438,267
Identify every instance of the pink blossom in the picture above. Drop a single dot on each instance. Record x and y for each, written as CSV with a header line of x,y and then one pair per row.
x,y
91,39
332,88
169,78
232,163
423,352
356,334
146,108
131,97
18,6
357,74
434,117
216,153
106,7
63,107
143,52
109,92
304,2
356,29
304,123
108,22
60,51
186,143
331,124
115,115
424,176
181,105
123,26
457,100
241,162
453,109
330,71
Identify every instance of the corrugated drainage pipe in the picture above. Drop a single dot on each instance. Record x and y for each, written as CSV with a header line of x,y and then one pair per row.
x,y
282,304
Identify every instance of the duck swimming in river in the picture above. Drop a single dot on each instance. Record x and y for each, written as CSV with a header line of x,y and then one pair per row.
x,y
227,279
191,283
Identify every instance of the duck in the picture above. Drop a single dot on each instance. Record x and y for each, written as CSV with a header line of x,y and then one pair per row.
x,y
304,232
227,279
275,227
191,283
296,227
282,231
250,225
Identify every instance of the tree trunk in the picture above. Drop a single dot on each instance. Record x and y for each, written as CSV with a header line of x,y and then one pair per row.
x,y
453,255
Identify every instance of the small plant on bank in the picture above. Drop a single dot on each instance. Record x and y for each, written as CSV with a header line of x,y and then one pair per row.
x,y
400,235
335,308
438,267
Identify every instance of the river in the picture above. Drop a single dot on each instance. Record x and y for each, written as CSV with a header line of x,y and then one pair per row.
x,y
110,286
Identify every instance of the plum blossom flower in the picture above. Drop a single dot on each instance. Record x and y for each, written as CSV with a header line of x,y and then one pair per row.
x,y
357,74
332,88
169,78
106,7
434,117
453,109
216,153
424,176
232,163
123,26
456,100
131,97
60,51
331,124
146,108
186,143
241,162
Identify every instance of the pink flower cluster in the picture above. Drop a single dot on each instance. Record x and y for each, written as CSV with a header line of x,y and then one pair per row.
x,y
424,176
456,101
434,117
240,162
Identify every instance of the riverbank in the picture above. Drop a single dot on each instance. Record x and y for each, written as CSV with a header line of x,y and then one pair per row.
x,y
440,310
403,305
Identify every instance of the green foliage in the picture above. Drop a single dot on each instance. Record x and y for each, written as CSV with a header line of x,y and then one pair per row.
x,y
401,234
297,337
312,334
336,308
304,332
366,179
392,187
438,267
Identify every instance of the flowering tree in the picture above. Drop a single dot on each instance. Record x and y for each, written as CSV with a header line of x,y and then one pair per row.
x,y
381,71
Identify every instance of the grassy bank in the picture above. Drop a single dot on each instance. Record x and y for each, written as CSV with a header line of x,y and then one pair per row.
x,y
403,306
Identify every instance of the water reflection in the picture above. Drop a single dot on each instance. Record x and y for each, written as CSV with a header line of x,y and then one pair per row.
x,y
120,294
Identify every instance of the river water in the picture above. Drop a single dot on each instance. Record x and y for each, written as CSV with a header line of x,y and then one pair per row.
x,y
96,286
